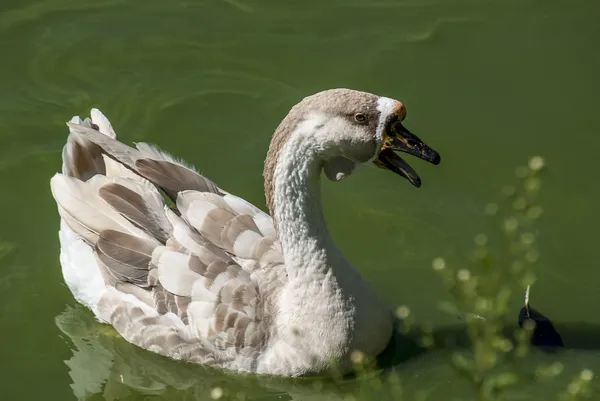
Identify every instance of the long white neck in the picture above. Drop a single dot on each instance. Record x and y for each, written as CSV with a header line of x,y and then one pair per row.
x,y
307,244
326,307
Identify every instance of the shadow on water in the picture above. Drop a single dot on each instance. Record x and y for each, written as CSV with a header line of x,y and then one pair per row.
x,y
104,364
551,338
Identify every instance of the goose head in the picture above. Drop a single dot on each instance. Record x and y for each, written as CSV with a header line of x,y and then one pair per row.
x,y
352,128
346,129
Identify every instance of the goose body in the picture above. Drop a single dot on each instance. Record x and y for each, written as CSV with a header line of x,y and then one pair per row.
x,y
181,267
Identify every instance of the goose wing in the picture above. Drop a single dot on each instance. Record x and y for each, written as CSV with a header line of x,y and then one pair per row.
x,y
190,271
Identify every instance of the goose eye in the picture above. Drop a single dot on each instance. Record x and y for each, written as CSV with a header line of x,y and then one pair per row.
x,y
360,118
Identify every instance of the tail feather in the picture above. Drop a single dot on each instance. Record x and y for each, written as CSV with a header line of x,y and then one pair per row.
x,y
82,159
104,126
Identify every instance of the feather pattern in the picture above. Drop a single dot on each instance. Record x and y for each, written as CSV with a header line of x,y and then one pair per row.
x,y
124,258
141,208
172,177
165,172
182,282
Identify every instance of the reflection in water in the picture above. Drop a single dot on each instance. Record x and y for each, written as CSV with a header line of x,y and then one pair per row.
x,y
103,364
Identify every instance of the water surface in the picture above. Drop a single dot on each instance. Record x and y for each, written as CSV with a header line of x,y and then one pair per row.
x,y
486,83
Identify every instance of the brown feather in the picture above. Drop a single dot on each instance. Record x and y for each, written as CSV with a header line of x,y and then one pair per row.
x,y
236,226
82,159
126,257
174,178
133,207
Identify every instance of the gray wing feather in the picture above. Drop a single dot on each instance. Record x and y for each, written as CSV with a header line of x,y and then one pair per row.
x,y
173,178
124,257
136,209
177,285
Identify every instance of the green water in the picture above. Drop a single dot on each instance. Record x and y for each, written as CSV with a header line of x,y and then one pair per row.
x,y
487,83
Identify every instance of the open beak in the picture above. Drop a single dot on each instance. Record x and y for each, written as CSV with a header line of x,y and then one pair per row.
x,y
399,139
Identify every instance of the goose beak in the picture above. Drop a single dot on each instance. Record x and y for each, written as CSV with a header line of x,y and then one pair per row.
x,y
399,139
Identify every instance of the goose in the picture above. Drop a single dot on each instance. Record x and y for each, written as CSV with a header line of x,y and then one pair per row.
x,y
181,267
